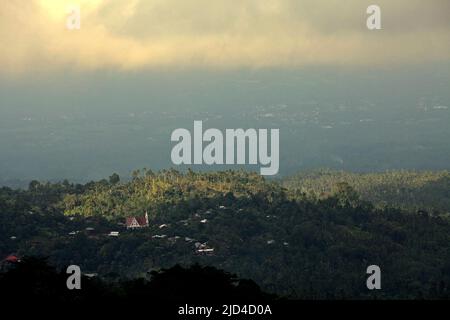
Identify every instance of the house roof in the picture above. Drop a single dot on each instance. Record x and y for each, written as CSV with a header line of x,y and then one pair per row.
x,y
142,221
12,258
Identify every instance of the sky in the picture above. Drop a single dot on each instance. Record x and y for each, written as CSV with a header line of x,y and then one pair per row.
x,y
126,35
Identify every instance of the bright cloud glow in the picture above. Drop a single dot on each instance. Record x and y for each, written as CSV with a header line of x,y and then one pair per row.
x,y
132,34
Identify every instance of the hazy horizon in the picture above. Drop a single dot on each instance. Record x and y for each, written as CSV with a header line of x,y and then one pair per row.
x,y
85,103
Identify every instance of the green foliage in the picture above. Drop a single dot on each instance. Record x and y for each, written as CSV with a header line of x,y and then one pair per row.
x,y
411,190
311,239
114,179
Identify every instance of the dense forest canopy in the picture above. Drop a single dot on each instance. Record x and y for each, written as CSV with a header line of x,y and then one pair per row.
x,y
415,190
309,236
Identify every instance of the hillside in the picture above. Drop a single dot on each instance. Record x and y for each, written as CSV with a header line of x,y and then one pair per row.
x,y
289,242
412,190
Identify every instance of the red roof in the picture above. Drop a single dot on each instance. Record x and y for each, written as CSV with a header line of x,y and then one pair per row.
x,y
12,259
129,221
142,221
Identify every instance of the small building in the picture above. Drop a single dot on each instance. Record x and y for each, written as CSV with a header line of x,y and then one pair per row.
x,y
12,259
206,251
90,275
113,234
137,222
8,263
203,248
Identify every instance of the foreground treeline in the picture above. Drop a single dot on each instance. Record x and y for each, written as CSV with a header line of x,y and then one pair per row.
x,y
33,279
289,240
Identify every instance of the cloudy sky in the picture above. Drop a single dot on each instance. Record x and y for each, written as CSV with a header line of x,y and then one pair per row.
x,y
105,98
137,34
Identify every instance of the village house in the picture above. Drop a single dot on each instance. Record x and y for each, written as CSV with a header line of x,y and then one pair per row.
x,y
8,262
206,251
159,236
90,275
203,248
137,222
12,259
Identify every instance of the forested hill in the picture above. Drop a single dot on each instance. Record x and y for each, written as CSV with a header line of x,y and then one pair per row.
x,y
413,190
287,239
